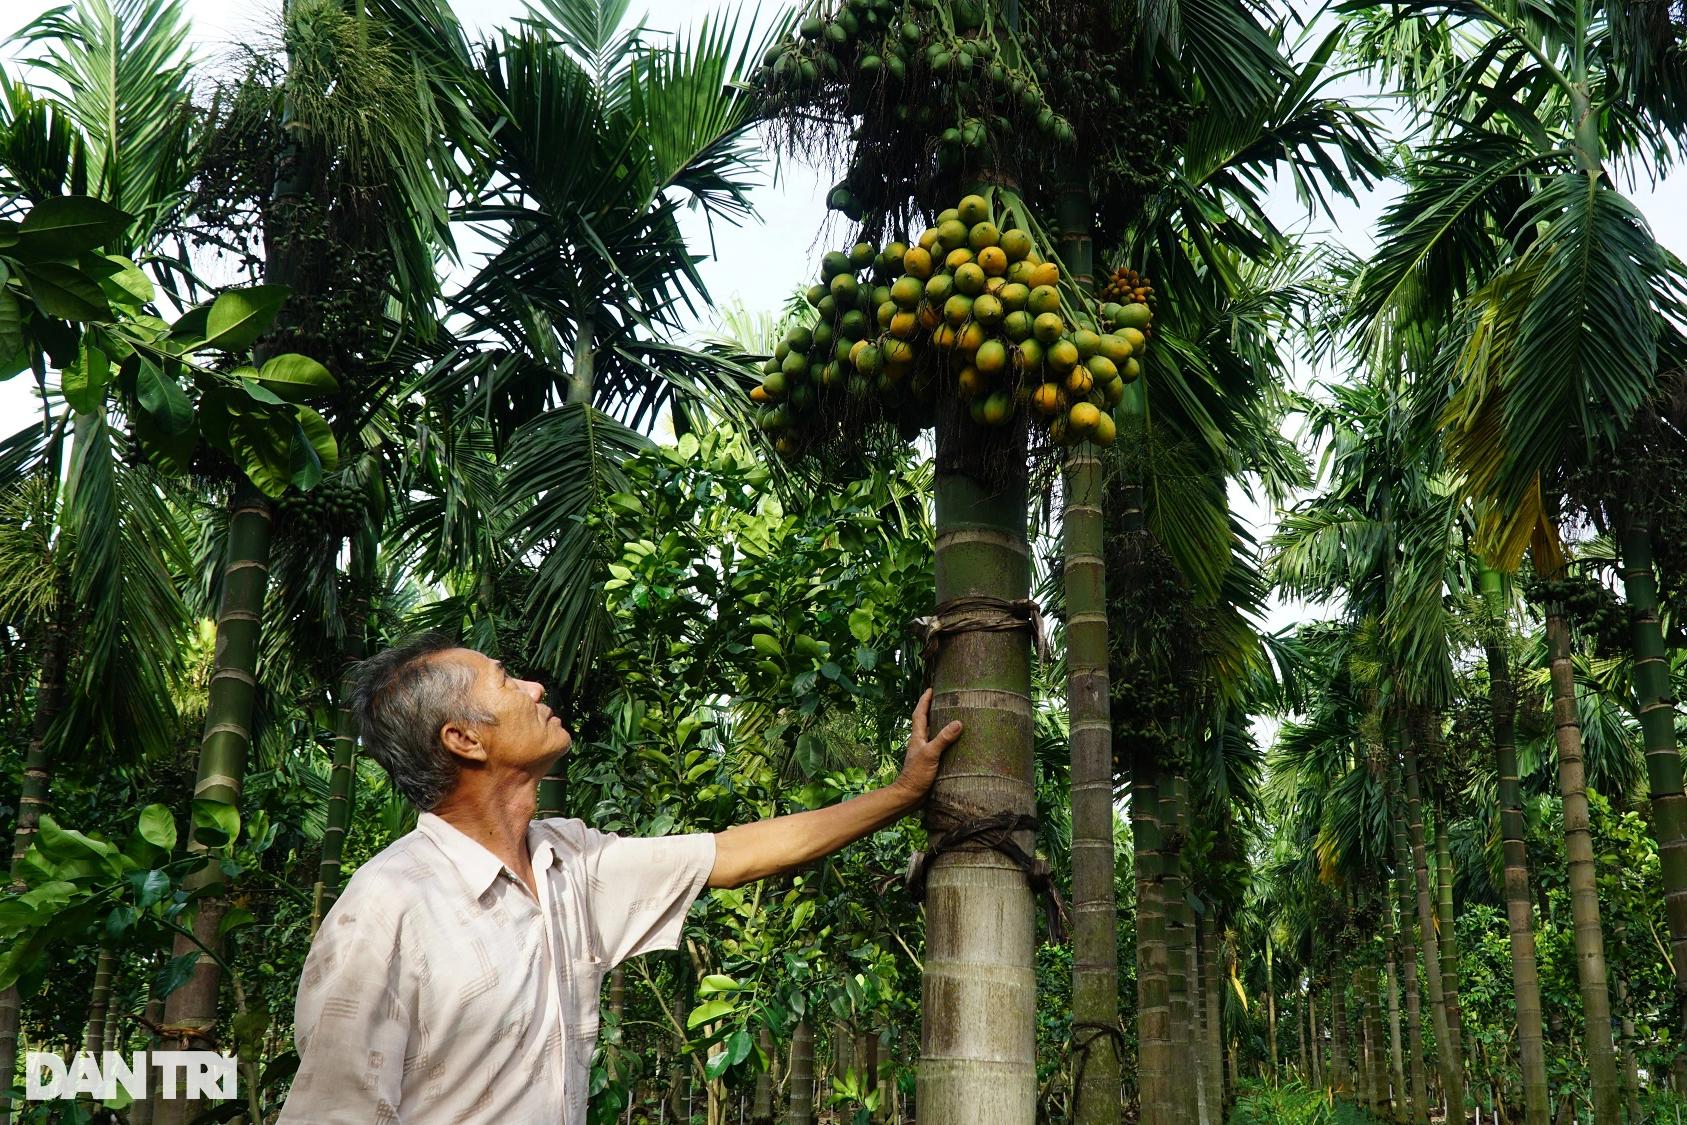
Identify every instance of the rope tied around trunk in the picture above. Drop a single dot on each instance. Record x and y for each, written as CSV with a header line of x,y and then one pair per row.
x,y
978,613
988,832
1082,1043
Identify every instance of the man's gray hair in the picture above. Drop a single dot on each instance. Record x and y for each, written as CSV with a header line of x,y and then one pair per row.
x,y
402,697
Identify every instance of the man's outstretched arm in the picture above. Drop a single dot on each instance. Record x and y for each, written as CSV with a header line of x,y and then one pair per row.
x,y
754,851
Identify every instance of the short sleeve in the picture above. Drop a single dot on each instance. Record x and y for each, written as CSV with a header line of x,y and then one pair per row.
x,y
351,1020
641,887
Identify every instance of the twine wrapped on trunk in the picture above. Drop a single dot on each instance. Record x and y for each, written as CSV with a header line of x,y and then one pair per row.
x,y
991,832
1085,1035
978,613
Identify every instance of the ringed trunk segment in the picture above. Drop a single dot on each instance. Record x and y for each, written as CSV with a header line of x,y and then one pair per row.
x,y
1663,760
1591,971
1449,943
978,1042
222,765
1154,1052
1519,902
1095,958
1417,1090
1449,1064
801,1106
33,799
1177,922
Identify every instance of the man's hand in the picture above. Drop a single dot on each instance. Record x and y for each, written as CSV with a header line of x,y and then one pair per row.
x,y
919,768
784,843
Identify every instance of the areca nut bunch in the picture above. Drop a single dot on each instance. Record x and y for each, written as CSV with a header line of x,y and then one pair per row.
x,y
972,311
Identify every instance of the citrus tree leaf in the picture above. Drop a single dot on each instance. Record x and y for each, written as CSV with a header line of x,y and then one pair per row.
x,y
157,827
239,316
262,446
295,377
65,292
320,436
67,225
163,398
120,279
11,333
83,382
215,823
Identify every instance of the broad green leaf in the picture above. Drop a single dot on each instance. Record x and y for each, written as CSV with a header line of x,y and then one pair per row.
x,y
709,1011
239,316
258,393
176,973
717,983
84,381
120,279
163,398
65,292
67,843
67,225
214,823
238,917
150,887
738,1046
11,326
167,452
717,1063
262,448
120,919
861,624
296,377
189,329
157,827
49,896
320,435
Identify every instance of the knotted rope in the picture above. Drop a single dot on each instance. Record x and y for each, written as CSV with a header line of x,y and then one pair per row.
x,y
991,832
978,613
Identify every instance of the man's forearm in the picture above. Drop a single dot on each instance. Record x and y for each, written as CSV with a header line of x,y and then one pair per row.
x,y
747,852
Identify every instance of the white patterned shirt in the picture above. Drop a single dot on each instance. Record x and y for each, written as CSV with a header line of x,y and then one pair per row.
x,y
433,993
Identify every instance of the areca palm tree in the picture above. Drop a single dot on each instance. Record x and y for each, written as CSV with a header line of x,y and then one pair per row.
x,y
1547,298
601,135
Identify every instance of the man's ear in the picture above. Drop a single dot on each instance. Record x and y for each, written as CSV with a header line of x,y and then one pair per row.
x,y
463,740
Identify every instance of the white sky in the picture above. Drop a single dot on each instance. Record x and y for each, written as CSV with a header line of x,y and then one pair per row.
x,y
760,264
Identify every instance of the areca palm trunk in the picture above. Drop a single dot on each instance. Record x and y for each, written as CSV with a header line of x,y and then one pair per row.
x,y
978,1041
1212,1049
1300,1036
801,1104
1153,1012
1270,1016
1177,914
1653,695
1396,1052
1591,971
1417,1088
1095,951
222,765
1449,946
582,383
99,1003
343,774
1341,1074
1451,1066
1519,906
761,1100
33,799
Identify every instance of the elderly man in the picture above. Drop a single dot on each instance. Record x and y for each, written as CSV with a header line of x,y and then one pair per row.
x,y
457,977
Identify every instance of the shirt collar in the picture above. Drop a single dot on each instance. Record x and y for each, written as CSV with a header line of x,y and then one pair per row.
x,y
478,866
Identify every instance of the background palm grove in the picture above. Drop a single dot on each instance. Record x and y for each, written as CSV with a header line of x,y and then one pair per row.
x,y
376,324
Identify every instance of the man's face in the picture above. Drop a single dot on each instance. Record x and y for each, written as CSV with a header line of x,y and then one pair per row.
x,y
526,730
